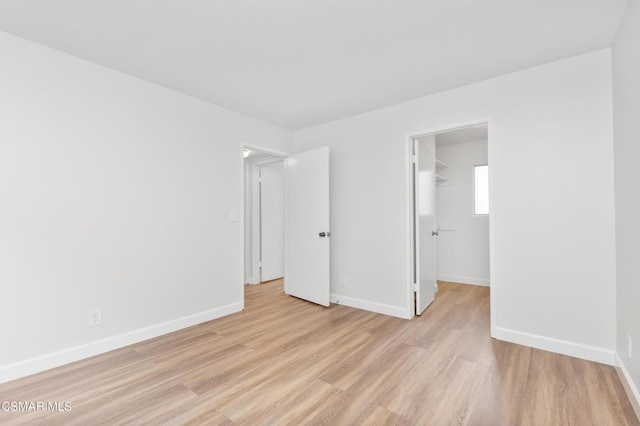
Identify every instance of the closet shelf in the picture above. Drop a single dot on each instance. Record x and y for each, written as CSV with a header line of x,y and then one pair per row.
x,y
441,164
440,179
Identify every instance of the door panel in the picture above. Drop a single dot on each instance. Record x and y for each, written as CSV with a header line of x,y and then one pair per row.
x,y
272,221
306,218
425,221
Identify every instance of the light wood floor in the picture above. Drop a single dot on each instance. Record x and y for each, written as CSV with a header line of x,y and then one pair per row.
x,y
286,361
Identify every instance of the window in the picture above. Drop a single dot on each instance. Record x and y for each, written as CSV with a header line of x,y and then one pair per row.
x,y
481,190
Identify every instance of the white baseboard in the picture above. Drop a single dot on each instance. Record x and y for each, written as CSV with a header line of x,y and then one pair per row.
x,y
628,384
76,353
564,347
464,280
380,308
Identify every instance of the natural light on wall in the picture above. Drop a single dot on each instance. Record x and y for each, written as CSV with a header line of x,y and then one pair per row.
x,y
425,197
481,190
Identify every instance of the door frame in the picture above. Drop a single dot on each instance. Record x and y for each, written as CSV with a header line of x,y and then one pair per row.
x,y
410,234
282,155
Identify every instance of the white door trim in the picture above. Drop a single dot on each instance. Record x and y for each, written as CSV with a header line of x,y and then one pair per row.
x,y
409,212
264,150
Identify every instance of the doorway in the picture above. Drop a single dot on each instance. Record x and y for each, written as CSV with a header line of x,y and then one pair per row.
x,y
264,216
449,211
304,221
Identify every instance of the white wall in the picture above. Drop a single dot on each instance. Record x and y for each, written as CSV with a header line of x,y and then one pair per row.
x,y
551,156
463,240
272,220
116,194
626,102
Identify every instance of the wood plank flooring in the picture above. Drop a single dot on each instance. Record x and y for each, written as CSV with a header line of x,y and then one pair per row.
x,y
286,361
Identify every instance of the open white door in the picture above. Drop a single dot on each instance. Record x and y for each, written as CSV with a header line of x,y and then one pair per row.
x,y
271,221
425,220
307,226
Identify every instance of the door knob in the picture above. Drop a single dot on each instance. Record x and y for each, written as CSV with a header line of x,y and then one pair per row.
x,y
434,233
324,234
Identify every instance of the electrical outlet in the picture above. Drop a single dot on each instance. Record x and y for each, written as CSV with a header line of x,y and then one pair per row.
x,y
343,283
95,318
629,347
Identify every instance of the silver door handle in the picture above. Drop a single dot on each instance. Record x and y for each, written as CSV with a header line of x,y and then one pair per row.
x,y
324,234
434,233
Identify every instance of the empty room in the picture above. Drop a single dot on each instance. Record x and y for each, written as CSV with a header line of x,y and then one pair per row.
x,y
297,212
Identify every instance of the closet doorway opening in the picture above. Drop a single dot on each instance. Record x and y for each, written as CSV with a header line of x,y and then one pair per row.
x,y
450,190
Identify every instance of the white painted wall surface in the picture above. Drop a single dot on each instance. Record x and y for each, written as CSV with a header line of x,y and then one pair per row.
x,y
626,103
551,156
116,195
272,220
463,240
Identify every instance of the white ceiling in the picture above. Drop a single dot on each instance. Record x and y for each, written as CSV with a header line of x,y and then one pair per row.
x,y
298,63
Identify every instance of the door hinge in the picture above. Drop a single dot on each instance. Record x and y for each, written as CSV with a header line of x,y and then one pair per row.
x,y
414,158
415,287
